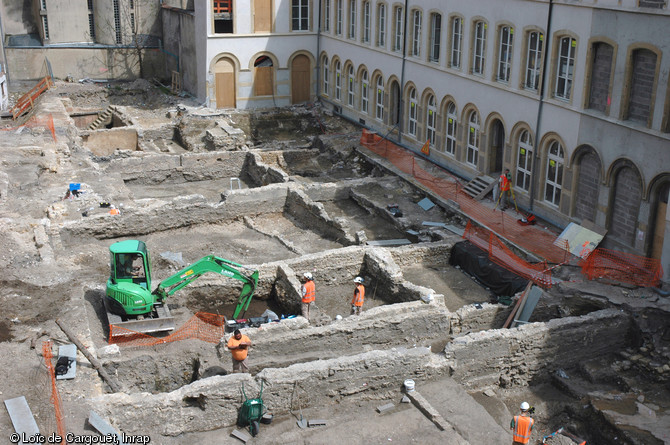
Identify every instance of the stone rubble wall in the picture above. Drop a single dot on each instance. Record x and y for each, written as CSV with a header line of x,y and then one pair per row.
x,y
383,327
106,142
473,319
530,353
213,403
261,173
164,168
387,278
312,215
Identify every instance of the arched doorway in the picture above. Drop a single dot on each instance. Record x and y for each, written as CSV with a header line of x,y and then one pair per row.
x,y
263,76
496,146
300,79
224,77
661,224
625,207
588,186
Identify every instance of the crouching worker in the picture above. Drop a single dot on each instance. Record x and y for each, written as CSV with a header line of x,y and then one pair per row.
x,y
239,348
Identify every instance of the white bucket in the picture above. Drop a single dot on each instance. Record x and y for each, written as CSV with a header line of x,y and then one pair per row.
x,y
409,385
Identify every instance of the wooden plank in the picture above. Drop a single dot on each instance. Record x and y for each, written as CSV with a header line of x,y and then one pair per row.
x,y
516,306
22,417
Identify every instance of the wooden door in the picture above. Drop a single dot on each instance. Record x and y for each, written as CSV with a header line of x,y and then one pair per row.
x,y
300,79
225,84
262,15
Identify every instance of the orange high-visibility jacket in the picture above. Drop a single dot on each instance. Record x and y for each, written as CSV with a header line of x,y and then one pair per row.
x,y
522,427
309,294
359,295
238,354
504,182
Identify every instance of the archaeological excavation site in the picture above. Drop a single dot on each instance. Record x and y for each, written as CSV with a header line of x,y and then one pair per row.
x,y
467,313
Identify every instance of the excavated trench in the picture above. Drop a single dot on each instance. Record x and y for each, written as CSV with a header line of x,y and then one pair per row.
x,y
312,209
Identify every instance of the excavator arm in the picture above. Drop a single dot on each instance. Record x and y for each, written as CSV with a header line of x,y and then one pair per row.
x,y
211,263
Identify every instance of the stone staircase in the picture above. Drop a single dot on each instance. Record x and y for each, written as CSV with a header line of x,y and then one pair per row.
x,y
479,187
102,117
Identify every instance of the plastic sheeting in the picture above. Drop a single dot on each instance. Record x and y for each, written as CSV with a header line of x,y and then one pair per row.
x,y
476,262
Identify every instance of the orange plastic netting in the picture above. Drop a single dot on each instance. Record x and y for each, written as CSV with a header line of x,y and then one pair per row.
x,y
499,253
46,121
55,396
532,238
624,267
202,326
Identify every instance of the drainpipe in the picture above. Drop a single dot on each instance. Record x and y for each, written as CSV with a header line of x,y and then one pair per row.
x,y
401,112
318,56
536,157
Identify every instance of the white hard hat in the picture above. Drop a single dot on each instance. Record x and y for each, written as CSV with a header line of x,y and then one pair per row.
x,y
307,275
358,280
524,406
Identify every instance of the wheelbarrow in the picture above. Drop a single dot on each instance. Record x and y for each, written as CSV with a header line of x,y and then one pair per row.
x,y
251,412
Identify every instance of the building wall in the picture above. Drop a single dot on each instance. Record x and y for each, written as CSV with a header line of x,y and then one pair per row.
x,y
67,21
179,46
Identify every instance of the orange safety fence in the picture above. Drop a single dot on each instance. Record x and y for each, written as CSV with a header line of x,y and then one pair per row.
x,y
55,397
531,238
27,101
623,267
202,326
500,254
46,121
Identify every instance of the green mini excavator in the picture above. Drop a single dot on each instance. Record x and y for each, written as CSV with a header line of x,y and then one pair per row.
x,y
131,303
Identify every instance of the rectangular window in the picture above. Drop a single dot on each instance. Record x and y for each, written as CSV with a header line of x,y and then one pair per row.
x,y
91,25
352,19
381,25
117,23
326,15
505,53
338,18
132,22
379,105
416,33
450,142
222,6
479,48
533,60
300,15
45,26
412,114
397,35
338,82
366,22
222,12
435,36
350,87
565,67
364,94
456,41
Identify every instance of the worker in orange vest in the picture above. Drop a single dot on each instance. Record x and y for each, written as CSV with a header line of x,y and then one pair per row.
x,y
308,292
505,184
522,425
359,297
238,345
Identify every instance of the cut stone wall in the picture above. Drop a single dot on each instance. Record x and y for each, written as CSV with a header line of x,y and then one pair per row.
x,y
530,353
473,319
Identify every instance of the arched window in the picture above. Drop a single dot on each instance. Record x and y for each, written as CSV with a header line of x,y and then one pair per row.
x,y
350,86
555,159
325,76
473,139
411,121
338,81
431,118
364,92
379,109
450,140
524,163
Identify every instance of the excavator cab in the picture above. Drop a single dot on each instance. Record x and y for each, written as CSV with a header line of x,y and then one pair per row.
x,y
129,283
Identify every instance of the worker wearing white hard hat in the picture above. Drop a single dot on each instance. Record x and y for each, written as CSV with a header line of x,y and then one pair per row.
x,y
308,293
358,298
522,425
